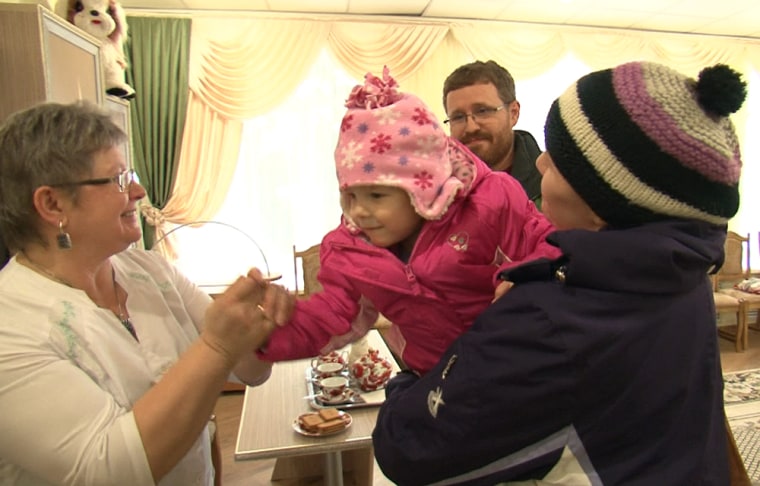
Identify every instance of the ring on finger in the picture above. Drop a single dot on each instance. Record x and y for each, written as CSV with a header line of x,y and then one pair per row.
x,y
264,312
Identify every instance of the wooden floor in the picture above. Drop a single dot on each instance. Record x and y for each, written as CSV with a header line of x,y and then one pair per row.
x,y
250,473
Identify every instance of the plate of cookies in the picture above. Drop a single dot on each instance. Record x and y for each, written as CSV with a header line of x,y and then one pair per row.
x,y
327,421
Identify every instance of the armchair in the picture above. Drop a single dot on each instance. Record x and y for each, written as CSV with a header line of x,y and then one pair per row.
x,y
736,269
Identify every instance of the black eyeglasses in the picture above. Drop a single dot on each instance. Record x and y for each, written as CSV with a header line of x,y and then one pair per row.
x,y
123,180
481,114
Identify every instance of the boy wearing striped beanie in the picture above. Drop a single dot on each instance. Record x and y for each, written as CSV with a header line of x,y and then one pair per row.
x,y
600,367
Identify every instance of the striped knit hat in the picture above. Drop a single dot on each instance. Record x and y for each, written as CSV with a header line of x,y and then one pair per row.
x,y
641,142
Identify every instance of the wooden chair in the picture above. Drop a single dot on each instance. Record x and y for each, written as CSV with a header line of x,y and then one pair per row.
x,y
726,304
735,269
309,264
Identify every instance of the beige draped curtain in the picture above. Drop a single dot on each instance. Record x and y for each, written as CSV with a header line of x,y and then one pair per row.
x,y
241,68
237,78
361,47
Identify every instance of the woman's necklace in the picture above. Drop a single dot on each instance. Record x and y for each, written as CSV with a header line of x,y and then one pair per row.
x,y
122,316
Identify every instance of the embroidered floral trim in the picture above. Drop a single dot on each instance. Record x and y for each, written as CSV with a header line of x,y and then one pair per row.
x,y
64,325
375,93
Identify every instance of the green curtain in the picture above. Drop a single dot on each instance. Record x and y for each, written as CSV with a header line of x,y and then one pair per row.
x,y
157,51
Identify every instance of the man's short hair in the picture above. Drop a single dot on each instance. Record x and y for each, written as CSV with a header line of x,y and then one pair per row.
x,y
480,72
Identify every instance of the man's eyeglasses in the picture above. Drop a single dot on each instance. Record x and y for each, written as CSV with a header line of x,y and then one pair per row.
x,y
480,114
123,180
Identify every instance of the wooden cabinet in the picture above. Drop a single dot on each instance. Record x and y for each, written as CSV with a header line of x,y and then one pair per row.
x,y
119,110
45,58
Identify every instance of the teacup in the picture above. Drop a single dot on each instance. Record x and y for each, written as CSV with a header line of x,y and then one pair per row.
x,y
333,386
325,370
331,357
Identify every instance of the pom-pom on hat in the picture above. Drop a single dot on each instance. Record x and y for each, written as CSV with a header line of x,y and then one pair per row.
x,y
392,139
641,142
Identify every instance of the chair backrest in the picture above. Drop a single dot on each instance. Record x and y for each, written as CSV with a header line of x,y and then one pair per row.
x,y
736,265
309,264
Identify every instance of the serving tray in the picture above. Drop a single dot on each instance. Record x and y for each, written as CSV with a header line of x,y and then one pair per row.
x,y
357,399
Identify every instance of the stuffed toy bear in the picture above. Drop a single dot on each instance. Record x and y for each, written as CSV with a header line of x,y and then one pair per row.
x,y
104,20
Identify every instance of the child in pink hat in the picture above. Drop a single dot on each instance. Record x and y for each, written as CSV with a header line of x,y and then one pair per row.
x,y
426,228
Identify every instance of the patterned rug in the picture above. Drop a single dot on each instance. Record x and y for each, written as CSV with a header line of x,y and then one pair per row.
x,y
742,399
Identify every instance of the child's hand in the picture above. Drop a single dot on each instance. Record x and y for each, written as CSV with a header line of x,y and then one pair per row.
x,y
502,289
278,303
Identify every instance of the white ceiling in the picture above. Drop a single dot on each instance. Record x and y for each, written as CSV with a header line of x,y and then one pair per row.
x,y
722,17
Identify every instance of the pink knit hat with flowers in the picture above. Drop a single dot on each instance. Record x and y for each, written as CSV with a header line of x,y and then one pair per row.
x,y
392,139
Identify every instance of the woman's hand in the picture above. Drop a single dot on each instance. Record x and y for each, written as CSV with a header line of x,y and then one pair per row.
x,y
236,322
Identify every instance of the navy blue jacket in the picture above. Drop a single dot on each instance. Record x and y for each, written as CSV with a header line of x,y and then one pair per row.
x,y
601,367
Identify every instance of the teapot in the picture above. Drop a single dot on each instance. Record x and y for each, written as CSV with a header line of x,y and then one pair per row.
x,y
371,371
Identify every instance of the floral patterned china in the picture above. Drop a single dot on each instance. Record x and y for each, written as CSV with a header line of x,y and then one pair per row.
x,y
371,371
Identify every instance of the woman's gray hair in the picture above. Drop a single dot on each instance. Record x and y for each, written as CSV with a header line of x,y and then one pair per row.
x,y
50,143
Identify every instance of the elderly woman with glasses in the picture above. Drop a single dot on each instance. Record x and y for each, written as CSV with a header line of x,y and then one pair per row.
x,y
110,360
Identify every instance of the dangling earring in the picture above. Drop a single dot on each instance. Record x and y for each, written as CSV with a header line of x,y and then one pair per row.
x,y
64,239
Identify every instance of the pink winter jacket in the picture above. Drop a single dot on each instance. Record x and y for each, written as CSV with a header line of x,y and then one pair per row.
x,y
449,279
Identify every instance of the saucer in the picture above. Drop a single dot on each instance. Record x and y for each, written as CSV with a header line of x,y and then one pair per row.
x,y
344,397
315,377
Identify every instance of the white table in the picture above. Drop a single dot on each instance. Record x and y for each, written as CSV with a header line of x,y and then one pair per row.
x,y
269,410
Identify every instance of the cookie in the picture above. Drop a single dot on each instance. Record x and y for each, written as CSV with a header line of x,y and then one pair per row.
x,y
311,421
328,414
331,426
